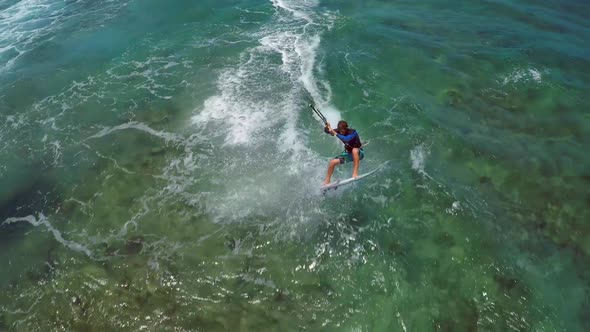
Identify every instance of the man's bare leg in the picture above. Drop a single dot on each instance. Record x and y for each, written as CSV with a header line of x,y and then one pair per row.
x,y
356,159
331,167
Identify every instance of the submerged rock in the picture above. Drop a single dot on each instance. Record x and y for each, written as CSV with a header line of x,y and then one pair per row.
x,y
195,322
445,239
485,180
584,313
505,283
460,315
512,286
396,248
110,250
230,243
281,296
134,245
94,271
157,151
450,97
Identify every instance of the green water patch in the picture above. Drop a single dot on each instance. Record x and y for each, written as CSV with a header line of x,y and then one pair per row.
x,y
244,276
477,222
497,132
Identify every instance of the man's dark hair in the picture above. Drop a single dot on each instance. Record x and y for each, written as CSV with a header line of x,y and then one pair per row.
x,y
343,123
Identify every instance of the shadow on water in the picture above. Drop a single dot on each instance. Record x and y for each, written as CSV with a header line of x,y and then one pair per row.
x,y
34,192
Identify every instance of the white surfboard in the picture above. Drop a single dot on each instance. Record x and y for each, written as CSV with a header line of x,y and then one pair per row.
x,y
338,184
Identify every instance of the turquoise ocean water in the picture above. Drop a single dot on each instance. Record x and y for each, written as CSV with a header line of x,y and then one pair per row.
x,y
159,166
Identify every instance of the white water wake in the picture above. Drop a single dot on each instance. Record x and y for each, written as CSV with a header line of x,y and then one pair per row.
x,y
264,162
260,92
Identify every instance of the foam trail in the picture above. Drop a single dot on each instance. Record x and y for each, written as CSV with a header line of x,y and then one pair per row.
x,y
168,137
418,159
244,105
41,220
254,118
305,47
296,9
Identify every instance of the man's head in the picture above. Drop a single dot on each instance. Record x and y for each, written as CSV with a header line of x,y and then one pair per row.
x,y
342,126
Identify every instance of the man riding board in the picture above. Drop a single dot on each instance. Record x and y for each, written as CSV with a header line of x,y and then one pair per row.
x,y
352,148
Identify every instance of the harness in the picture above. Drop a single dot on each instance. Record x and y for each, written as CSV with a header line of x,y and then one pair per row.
x,y
355,142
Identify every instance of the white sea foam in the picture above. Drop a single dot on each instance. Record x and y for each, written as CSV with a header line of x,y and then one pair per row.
x,y
520,75
257,108
133,221
41,220
166,136
535,74
27,23
156,74
57,152
418,159
299,9
454,209
244,104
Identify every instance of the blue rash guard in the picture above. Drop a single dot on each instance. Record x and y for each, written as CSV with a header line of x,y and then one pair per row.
x,y
351,140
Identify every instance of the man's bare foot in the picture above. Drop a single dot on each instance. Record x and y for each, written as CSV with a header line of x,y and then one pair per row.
x,y
354,176
325,183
